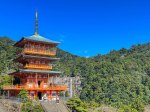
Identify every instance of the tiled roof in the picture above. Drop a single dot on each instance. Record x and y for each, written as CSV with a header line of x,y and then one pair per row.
x,y
40,71
40,39
40,57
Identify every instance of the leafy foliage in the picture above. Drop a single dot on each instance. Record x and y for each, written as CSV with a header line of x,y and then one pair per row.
x,y
75,104
7,54
119,77
27,104
126,108
23,94
5,80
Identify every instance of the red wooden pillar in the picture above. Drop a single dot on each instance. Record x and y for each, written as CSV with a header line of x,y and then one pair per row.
x,y
35,94
56,95
50,94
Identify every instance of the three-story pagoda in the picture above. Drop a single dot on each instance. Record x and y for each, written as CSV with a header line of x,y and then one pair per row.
x,y
36,74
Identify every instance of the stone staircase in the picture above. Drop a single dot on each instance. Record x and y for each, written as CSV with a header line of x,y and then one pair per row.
x,y
52,106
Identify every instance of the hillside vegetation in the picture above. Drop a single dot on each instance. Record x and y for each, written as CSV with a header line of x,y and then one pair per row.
x,y
119,78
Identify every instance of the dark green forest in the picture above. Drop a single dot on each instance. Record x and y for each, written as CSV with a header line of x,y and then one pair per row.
x,y
118,78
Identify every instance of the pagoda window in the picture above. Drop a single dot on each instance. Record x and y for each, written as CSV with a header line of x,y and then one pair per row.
x,y
47,48
32,94
43,62
53,93
32,76
52,45
37,46
31,61
40,76
37,62
32,46
43,47
44,76
27,46
30,81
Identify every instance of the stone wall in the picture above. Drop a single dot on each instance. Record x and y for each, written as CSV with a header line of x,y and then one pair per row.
x,y
10,105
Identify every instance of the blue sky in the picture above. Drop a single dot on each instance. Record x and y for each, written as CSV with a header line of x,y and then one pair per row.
x,y
84,27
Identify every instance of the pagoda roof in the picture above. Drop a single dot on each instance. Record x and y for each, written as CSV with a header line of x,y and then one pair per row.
x,y
40,71
37,57
37,38
37,71
40,39
40,57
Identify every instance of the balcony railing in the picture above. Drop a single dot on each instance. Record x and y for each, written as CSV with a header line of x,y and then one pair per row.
x,y
18,87
51,52
37,66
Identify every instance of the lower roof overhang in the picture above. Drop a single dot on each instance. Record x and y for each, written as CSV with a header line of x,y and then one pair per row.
x,y
23,57
39,72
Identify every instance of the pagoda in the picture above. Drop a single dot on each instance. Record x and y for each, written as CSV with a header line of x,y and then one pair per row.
x,y
35,73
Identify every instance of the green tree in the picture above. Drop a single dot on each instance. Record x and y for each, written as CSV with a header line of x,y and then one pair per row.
x,y
138,104
75,104
126,108
23,95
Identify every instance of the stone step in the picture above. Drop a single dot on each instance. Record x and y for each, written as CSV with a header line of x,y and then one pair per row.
x,y
52,106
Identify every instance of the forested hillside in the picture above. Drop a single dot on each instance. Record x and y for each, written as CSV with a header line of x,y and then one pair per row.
x,y
117,78
7,54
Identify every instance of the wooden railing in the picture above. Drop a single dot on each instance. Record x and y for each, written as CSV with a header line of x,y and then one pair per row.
x,y
18,87
37,66
51,52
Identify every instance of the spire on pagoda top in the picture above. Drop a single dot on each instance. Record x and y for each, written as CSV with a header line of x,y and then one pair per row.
x,y
36,23
36,36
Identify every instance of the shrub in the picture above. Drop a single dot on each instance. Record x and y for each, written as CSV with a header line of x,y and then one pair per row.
x,y
23,95
126,108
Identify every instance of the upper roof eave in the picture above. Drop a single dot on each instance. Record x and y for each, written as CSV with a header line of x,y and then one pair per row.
x,y
40,39
37,38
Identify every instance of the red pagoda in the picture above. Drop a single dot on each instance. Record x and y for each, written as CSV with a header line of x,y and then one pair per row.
x,y
36,74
